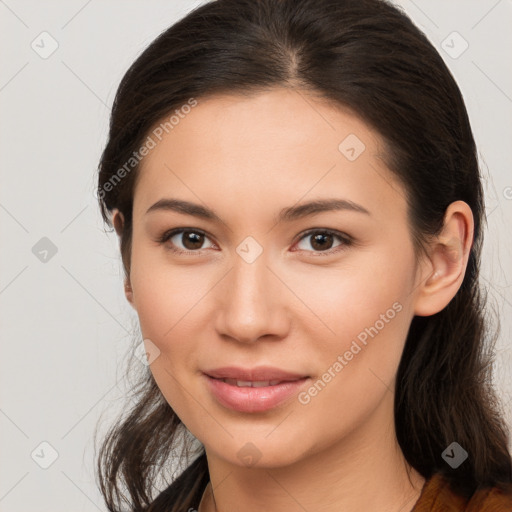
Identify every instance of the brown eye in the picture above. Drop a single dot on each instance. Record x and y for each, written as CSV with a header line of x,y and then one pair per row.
x,y
323,240
185,240
192,240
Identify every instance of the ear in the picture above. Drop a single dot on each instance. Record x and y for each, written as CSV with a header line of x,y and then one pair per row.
x,y
128,292
444,270
118,222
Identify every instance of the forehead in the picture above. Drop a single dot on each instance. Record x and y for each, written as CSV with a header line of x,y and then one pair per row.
x,y
261,124
276,145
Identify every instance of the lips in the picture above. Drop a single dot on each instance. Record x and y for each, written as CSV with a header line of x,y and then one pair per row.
x,y
253,390
252,384
254,375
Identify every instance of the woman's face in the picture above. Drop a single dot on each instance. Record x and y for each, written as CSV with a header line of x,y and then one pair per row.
x,y
260,283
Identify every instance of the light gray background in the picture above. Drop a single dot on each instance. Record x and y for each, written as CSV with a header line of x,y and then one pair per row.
x,y
65,324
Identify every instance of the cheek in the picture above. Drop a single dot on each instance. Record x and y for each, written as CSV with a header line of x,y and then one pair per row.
x,y
170,302
356,371
354,300
364,313
165,295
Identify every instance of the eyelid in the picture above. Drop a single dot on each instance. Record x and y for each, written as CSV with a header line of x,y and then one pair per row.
x,y
345,239
162,239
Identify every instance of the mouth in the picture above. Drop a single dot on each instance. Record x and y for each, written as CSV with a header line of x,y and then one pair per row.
x,y
252,393
253,384
257,374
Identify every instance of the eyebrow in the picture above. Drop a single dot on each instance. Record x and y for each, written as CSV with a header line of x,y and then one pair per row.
x,y
287,214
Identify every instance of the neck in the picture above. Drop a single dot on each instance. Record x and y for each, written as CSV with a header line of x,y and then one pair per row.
x,y
366,470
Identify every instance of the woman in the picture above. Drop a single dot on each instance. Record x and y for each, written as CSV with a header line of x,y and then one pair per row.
x,y
296,191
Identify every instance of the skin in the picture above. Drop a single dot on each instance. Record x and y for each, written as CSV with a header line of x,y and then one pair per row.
x,y
293,307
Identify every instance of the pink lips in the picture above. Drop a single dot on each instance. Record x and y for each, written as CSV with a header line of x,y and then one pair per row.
x,y
253,374
246,398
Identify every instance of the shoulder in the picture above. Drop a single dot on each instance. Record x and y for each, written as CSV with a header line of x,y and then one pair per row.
x,y
491,499
438,496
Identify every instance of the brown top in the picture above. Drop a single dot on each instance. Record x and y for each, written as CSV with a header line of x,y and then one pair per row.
x,y
436,496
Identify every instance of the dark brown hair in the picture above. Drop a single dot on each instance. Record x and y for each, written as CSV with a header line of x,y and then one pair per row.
x,y
367,56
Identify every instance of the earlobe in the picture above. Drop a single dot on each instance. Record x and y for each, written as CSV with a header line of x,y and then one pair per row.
x,y
118,223
128,292
448,258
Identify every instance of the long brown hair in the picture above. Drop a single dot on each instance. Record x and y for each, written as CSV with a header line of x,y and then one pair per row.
x,y
366,55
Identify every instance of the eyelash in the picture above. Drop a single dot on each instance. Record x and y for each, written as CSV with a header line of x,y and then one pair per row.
x,y
346,240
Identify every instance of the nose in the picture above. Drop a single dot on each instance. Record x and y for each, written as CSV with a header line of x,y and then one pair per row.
x,y
252,302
